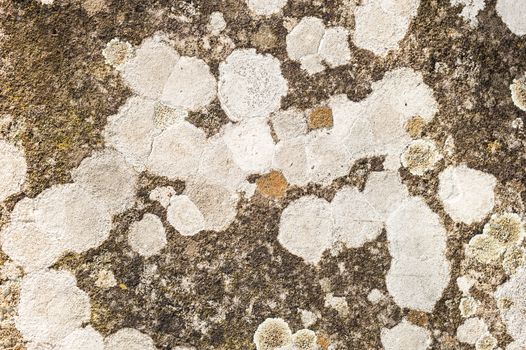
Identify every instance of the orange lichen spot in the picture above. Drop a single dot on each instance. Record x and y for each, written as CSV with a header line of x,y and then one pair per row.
x,y
272,185
320,117
415,126
323,342
418,318
123,286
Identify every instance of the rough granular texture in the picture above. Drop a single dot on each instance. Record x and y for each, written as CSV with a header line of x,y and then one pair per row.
x,y
262,174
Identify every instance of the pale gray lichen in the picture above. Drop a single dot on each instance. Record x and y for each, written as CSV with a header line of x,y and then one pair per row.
x,y
305,339
518,93
420,156
117,52
272,334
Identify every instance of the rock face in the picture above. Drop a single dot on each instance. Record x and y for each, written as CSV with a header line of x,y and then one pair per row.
x,y
262,174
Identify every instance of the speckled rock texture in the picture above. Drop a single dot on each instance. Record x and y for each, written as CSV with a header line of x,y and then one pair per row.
x,y
262,174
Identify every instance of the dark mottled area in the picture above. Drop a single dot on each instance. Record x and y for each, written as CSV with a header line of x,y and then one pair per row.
x,y
212,290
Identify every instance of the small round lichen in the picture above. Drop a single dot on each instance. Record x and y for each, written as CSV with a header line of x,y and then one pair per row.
x,y
514,257
420,156
117,52
486,342
272,334
518,92
468,306
508,228
305,339
485,248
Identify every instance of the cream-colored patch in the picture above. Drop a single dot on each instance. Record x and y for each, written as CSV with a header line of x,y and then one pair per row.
x,y
266,7
147,236
51,306
512,14
381,25
419,269
82,339
467,194
13,169
250,84
184,216
128,339
272,334
405,336
470,10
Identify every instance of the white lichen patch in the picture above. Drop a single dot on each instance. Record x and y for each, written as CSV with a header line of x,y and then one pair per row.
x,y
288,124
306,228
185,144
29,247
305,339
13,169
117,52
190,85
217,203
467,194
109,178
290,158
352,218
216,23
512,14
514,316
184,216
310,43
147,236
148,70
518,93
381,25
105,279
508,228
132,129
273,334
162,195
360,216
305,38
375,296
419,269
63,218
266,7
129,339
356,221
251,144
420,156
51,306
376,125
250,84
471,330
470,10
334,47
82,339
405,336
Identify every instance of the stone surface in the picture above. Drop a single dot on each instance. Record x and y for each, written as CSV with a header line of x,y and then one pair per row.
x,y
243,174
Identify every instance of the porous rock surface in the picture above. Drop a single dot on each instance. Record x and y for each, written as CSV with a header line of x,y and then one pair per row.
x,y
255,174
